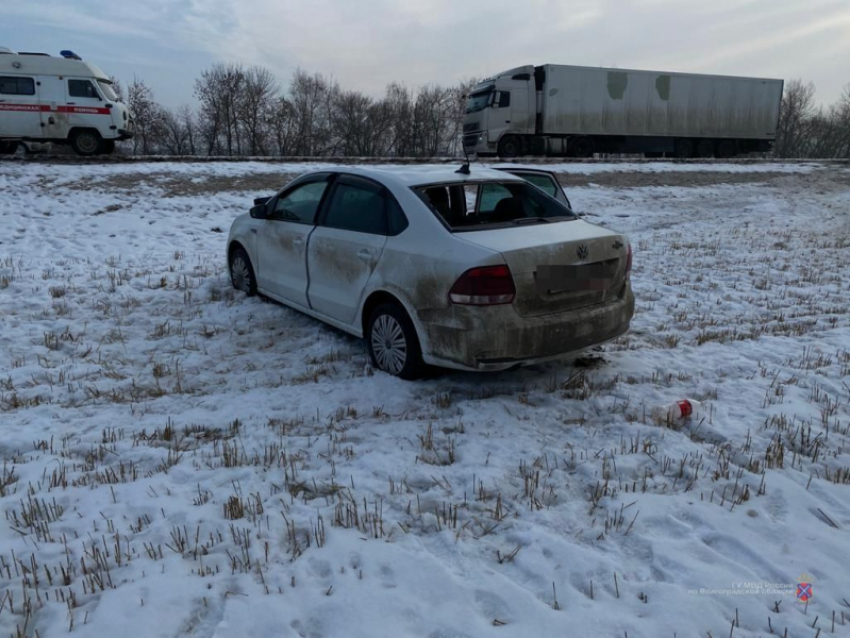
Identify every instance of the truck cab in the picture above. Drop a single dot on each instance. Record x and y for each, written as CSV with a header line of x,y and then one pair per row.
x,y
62,100
499,108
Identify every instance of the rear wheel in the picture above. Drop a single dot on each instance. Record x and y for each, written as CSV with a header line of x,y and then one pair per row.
x,y
242,272
705,148
86,142
583,147
510,146
392,342
684,148
726,149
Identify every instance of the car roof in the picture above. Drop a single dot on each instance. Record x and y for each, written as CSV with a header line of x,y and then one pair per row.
x,y
419,175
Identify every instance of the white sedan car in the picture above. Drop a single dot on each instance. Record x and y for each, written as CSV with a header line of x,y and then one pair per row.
x,y
477,270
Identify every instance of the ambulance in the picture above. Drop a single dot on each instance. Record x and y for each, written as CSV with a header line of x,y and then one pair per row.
x,y
62,100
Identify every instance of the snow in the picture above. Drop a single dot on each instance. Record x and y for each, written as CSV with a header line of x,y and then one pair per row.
x,y
143,401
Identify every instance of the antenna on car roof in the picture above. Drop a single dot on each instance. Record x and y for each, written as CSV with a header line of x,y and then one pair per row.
x,y
464,169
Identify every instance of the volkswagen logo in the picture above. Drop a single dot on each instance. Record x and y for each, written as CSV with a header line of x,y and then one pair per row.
x,y
582,251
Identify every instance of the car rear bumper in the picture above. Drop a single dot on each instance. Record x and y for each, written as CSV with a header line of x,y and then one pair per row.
x,y
497,338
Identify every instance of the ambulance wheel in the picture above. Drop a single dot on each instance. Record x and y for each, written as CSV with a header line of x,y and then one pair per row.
x,y
108,147
86,142
8,148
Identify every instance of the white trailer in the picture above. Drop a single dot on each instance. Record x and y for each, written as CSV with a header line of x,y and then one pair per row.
x,y
62,100
573,110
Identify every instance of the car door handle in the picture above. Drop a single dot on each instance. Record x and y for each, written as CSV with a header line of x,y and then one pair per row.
x,y
507,121
71,103
254,230
298,242
365,255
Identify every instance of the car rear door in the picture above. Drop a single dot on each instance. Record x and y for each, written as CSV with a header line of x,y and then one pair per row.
x,y
20,111
544,180
282,239
345,247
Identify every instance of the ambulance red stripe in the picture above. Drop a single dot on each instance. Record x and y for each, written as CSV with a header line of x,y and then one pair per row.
x,y
45,108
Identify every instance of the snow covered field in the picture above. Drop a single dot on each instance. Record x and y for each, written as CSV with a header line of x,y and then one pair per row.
x,y
179,460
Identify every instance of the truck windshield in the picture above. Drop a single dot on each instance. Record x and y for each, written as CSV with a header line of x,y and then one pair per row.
x,y
469,206
108,91
479,101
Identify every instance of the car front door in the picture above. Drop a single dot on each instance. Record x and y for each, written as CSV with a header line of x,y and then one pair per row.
x,y
345,247
283,236
20,111
544,180
84,106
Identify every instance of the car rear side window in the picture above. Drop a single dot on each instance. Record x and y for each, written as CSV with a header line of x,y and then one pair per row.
x,y
359,206
543,182
82,88
301,203
11,85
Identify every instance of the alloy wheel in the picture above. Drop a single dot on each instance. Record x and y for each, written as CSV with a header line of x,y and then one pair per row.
x,y
389,344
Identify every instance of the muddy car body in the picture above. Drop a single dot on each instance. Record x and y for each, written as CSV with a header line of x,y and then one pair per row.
x,y
478,271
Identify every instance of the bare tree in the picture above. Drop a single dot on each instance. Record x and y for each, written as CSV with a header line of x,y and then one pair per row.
x,y
795,116
146,116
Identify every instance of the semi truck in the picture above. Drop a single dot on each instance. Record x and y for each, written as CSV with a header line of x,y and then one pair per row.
x,y
578,111
62,100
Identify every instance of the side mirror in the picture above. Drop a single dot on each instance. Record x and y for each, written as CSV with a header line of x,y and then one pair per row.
x,y
260,208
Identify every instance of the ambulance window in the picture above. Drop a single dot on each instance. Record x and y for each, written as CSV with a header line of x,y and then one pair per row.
x,y
82,88
10,85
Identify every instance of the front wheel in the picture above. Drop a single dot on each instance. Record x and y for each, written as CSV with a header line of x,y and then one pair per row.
x,y
242,272
86,142
510,146
392,342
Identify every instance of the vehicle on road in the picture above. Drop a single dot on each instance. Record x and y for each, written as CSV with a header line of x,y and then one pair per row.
x,y
62,100
573,110
473,271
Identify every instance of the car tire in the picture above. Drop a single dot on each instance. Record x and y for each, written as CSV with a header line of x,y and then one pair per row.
x,y
510,146
242,272
86,142
392,342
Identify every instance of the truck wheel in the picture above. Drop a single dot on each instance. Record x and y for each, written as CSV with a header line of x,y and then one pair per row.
x,y
582,147
705,148
8,148
726,149
86,142
684,148
510,146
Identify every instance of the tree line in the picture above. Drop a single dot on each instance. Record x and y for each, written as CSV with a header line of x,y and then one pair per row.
x,y
244,111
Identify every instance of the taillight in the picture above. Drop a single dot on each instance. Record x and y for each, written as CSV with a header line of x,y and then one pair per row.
x,y
484,286
629,261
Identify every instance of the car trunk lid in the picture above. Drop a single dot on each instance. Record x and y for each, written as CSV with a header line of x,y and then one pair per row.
x,y
559,266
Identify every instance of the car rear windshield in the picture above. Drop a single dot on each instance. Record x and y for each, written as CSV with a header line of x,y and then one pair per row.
x,y
485,205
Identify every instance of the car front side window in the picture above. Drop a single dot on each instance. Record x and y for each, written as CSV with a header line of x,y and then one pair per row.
x,y
300,204
82,88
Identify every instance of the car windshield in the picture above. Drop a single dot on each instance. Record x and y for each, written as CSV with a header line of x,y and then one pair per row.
x,y
479,101
108,91
485,205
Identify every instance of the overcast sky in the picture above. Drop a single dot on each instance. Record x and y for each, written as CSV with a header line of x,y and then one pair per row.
x,y
367,43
